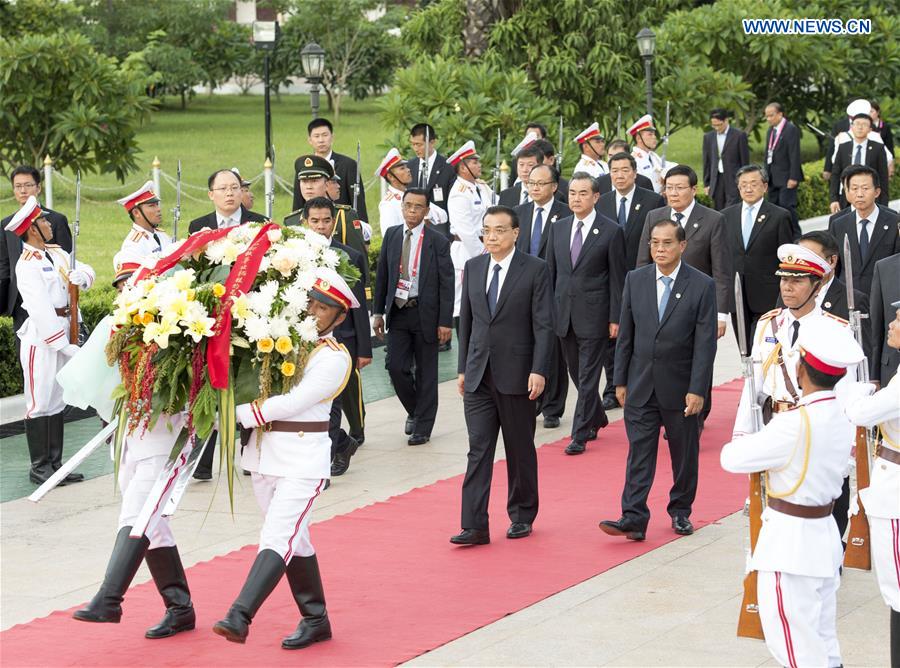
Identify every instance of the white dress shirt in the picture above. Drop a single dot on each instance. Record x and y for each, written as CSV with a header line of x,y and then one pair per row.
x,y
754,212
720,144
585,230
872,218
863,145
414,263
687,213
661,286
504,270
629,196
225,221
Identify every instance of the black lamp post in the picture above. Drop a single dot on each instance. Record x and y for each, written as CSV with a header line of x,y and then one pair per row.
x,y
265,37
646,46
312,57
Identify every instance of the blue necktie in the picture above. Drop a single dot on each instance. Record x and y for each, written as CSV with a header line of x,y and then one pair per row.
x,y
667,292
493,289
864,240
623,215
536,231
858,159
748,226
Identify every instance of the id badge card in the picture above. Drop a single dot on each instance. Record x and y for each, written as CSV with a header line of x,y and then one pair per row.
x,y
769,157
438,194
403,287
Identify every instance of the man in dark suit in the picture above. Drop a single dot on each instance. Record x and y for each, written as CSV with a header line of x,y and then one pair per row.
x,y
549,152
527,159
725,151
664,365
535,220
586,258
859,151
225,194
353,332
438,176
605,181
505,342
885,291
26,182
872,229
320,135
627,204
755,229
783,162
414,287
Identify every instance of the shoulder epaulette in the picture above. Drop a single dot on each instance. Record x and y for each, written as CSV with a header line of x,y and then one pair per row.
x,y
835,317
343,207
771,314
331,342
135,236
52,245
461,188
27,254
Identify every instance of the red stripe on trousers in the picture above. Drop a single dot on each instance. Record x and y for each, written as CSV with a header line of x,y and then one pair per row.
x,y
784,623
287,556
895,528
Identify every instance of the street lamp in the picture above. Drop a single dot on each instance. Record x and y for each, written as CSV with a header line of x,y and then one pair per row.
x,y
646,46
312,57
265,37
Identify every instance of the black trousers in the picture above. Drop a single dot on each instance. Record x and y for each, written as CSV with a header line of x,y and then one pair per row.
x,y
406,346
556,390
609,369
487,413
718,193
642,425
206,458
585,360
351,400
842,507
335,432
786,198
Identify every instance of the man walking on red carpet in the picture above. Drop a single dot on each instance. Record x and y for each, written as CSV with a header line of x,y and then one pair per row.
x,y
288,453
505,343
663,370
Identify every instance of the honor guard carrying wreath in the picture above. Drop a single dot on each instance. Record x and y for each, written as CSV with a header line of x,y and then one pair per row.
x,y
649,164
593,148
45,281
145,237
287,449
803,455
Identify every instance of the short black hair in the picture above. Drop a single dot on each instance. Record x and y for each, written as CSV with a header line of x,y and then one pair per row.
x,y
554,174
622,143
545,146
499,208
318,203
819,378
719,114
679,230
540,127
622,155
532,151
26,169
319,123
874,104
418,130
777,106
415,191
825,239
856,170
860,117
683,170
752,167
579,176
212,177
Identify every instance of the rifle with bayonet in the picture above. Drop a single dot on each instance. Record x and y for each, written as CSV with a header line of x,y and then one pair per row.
x,y
73,289
619,123
356,178
423,167
496,180
176,212
665,139
858,554
749,623
559,148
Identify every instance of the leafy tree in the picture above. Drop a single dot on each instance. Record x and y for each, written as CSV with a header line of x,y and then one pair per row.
x,y
463,101
62,98
29,17
172,69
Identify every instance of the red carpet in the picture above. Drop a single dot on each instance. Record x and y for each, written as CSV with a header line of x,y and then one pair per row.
x,y
395,587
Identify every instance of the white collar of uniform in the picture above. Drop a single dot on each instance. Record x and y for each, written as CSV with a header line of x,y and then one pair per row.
x,y
395,191
820,298
673,275
872,218
687,212
816,396
812,315
504,263
34,249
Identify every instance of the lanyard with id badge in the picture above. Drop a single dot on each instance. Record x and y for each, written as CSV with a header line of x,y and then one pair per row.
x,y
404,285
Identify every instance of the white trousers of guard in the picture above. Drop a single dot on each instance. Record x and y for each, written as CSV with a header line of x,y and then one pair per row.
x,y
43,395
885,536
799,618
136,481
287,504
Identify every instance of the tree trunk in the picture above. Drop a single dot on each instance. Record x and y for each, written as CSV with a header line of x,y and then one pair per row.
x,y
183,99
480,17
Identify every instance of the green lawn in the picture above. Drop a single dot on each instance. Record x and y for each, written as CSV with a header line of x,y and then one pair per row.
x,y
226,131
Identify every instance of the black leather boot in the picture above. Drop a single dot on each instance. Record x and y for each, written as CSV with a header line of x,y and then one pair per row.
x,y
168,575
36,433
261,581
55,446
306,586
341,460
895,639
126,558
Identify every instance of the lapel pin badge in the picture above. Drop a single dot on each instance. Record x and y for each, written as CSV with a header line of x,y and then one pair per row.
x,y
885,227
596,231
637,207
677,295
553,220
827,304
696,224
762,217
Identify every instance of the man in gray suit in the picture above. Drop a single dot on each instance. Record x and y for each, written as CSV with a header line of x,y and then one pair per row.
x,y
505,343
664,364
885,291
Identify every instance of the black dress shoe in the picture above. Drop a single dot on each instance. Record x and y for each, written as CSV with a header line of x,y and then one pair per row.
x,y
359,438
444,347
202,475
575,448
410,426
610,404
418,439
682,526
551,422
518,530
592,435
74,477
471,537
341,461
622,527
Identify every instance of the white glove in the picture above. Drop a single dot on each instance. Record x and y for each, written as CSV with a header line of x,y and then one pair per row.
x,y
80,278
70,350
366,231
853,509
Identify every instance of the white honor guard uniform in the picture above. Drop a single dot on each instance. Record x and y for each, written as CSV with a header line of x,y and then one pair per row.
x,y
775,348
390,209
854,108
142,241
292,460
648,162
803,454
881,499
466,206
43,278
592,166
